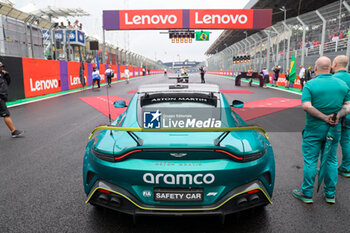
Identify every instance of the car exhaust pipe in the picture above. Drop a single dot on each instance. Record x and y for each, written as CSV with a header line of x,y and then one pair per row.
x,y
115,201
103,199
242,202
254,198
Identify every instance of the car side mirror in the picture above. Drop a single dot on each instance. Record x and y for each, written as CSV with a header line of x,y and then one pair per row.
x,y
120,104
237,104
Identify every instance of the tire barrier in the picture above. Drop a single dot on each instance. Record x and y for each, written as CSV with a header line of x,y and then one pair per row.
x,y
37,77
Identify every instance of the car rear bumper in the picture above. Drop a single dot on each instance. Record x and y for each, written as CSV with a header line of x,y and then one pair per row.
x,y
243,197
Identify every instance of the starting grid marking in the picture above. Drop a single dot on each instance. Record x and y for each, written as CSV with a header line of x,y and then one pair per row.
x,y
223,91
260,108
100,103
250,111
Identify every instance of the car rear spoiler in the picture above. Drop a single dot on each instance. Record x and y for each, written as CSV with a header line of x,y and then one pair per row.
x,y
225,131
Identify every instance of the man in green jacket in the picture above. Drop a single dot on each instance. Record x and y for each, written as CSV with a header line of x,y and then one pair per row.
x,y
322,97
339,67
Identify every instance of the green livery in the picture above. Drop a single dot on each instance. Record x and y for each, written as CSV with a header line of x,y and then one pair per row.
x,y
179,149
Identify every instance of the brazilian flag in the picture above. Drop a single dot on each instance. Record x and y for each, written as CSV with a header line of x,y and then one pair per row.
x,y
202,36
292,70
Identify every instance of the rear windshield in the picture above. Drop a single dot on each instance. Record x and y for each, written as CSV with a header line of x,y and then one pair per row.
x,y
179,110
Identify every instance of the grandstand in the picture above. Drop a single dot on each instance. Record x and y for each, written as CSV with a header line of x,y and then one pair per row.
x,y
311,29
37,35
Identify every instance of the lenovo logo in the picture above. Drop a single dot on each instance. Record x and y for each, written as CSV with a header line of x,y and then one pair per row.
x,y
221,19
43,84
179,179
150,19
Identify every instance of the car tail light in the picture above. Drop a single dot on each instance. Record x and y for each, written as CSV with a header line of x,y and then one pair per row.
x,y
253,191
104,191
126,154
111,157
230,154
245,157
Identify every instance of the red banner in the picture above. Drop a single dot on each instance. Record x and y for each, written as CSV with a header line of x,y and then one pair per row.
x,y
74,75
240,19
40,77
187,19
115,71
150,19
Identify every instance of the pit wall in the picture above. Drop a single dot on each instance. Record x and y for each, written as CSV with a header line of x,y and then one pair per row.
x,y
280,82
38,77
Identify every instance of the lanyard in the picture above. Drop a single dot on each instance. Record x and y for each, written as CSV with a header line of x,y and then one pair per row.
x,y
340,71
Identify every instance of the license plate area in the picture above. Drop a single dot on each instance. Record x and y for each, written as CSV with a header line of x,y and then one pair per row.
x,y
177,195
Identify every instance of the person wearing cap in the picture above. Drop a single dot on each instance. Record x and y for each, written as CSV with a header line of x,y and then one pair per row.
x,y
302,76
276,72
96,77
308,74
127,74
339,67
5,81
109,74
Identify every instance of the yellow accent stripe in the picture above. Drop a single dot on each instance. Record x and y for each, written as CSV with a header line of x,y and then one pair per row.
x,y
206,209
243,128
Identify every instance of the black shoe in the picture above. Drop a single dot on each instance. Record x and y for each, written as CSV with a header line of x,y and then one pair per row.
x,y
17,133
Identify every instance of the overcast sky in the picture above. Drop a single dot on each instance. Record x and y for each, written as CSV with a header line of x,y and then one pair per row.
x,y
148,43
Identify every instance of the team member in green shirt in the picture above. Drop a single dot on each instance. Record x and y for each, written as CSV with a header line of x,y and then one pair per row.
x,y
321,98
339,67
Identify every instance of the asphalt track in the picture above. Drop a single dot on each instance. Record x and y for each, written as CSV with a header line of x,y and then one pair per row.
x,y
41,187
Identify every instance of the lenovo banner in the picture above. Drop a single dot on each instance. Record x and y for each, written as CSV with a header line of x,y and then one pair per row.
x,y
187,19
41,77
74,75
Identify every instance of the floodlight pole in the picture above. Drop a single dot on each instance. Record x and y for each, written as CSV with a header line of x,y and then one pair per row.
x,y
255,45
236,54
288,44
303,43
268,49
103,46
348,42
323,32
240,52
250,45
230,57
277,44
261,49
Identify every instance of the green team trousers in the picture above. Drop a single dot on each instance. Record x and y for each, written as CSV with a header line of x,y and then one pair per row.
x,y
313,141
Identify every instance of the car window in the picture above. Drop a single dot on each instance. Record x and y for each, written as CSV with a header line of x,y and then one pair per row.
x,y
189,112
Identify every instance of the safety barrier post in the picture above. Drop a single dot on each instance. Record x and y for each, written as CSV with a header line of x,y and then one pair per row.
x,y
323,32
277,45
288,45
248,51
268,48
303,42
255,58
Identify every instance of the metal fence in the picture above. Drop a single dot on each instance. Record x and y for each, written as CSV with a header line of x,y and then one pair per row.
x,y
325,31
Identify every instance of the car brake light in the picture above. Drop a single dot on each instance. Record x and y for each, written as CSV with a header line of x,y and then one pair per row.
x,y
126,154
230,154
103,191
253,191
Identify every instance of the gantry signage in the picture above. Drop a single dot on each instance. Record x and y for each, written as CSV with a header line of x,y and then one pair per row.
x,y
187,19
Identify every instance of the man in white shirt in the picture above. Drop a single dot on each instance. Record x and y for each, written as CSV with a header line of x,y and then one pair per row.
x,y
127,74
109,74
302,76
